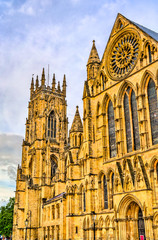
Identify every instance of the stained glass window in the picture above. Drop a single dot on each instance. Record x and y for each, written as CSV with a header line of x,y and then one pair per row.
x,y
111,127
153,110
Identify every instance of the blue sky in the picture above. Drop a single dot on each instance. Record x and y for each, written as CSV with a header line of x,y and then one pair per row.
x,y
35,33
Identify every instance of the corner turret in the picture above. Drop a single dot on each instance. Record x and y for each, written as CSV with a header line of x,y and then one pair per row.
x,y
76,131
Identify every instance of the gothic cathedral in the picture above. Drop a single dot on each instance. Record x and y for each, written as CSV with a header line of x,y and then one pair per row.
x,y
101,181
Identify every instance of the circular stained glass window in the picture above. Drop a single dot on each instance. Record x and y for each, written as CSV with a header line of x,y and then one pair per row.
x,y
123,56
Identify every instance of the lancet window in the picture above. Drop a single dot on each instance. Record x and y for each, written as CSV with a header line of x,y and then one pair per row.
x,y
111,128
105,192
131,121
153,110
84,201
52,125
149,53
112,189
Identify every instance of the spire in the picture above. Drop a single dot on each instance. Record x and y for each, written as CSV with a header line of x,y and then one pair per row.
x,y
32,88
43,78
37,82
77,123
64,85
59,87
53,82
93,57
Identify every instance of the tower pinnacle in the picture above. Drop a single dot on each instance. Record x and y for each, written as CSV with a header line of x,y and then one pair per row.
x,y
64,85
43,78
53,82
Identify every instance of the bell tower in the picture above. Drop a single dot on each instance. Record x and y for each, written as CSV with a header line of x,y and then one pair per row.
x,y
42,151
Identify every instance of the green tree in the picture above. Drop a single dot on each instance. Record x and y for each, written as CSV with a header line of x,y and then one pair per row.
x,y
6,218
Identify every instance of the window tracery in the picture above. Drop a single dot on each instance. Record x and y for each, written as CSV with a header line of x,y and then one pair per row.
x,y
123,55
111,129
131,121
51,127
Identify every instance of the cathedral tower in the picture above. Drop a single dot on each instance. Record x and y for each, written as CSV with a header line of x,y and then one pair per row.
x,y
42,154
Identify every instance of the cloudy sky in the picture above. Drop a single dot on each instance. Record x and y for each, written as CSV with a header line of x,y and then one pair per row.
x,y
35,33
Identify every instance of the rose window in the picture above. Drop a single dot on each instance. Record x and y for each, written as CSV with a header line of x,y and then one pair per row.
x,y
123,56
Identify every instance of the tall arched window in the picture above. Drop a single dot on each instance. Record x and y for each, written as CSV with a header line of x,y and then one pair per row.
x,y
149,53
112,189
111,128
84,201
53,167
105,190
153,110
131,121
135,126
52,125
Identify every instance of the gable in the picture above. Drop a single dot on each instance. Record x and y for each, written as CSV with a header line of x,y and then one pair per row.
x,y
127,45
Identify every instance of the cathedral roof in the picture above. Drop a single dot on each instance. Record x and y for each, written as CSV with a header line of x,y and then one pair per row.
x,y
77,123
93,57
151,33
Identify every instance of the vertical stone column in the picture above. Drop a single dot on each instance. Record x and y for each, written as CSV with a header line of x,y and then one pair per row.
x,y
122,229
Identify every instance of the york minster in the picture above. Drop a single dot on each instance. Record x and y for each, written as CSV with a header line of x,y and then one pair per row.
x,y
100,181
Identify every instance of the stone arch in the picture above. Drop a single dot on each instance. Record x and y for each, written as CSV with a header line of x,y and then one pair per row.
x,y
105,101
109,172
107,221
131,208
101,173
124,203
101,222
121,90
152,162
145,79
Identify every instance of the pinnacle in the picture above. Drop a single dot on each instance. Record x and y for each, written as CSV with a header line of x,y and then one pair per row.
x,y
77,123
93,57
43,77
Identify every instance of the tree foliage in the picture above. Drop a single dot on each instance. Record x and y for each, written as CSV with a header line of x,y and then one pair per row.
x,y
6,218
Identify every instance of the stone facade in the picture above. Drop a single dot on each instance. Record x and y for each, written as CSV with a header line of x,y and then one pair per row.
x,y
102,181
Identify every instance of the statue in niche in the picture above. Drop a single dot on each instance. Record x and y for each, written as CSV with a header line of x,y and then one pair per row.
x,y
139,179
117,184
128,183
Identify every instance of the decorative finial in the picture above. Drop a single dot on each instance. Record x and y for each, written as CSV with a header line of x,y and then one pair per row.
x,y
59,87
43,78
37,82
64,85
53,82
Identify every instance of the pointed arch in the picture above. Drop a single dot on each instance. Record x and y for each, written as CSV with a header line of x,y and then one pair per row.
x,y
125,202
153,110
121,91
100,175
105,101
145,79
